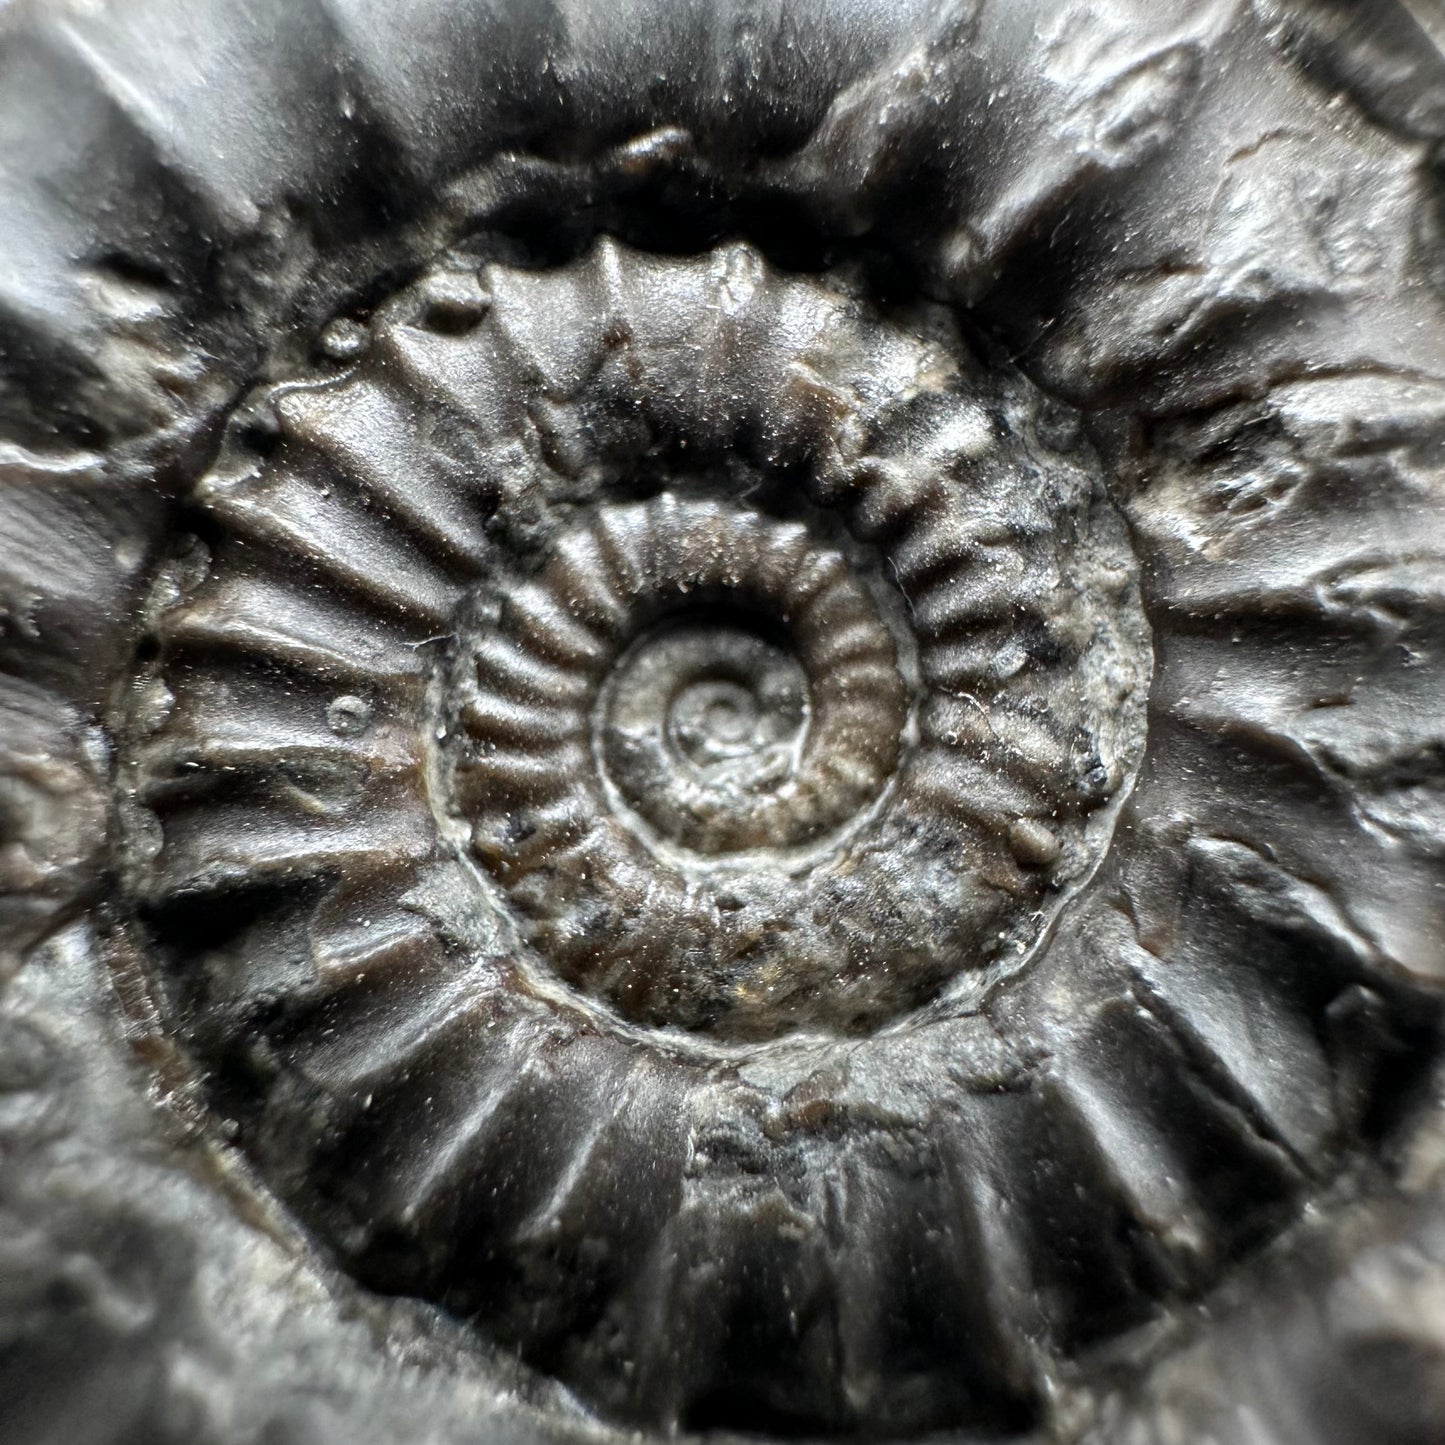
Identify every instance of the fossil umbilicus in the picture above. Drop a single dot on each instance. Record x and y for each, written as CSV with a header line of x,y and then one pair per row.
x,y
721,718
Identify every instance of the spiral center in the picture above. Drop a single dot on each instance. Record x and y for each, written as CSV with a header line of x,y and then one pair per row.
x,y
701,726
715,721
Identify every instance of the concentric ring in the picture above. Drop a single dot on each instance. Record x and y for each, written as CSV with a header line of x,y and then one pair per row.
x,y
639,564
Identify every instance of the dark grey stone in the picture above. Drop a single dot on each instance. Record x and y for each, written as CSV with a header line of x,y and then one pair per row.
x,y
721,717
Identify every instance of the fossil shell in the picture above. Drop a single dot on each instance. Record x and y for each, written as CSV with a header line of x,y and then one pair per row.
x,y
765,700
753,703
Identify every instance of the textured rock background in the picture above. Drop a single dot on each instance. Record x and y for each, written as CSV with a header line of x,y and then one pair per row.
x,y
1213,229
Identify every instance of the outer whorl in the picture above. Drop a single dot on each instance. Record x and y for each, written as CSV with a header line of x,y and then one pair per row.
x,y
746,699
683,665
770,672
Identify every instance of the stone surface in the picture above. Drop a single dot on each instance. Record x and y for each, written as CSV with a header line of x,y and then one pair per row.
x,y
721,718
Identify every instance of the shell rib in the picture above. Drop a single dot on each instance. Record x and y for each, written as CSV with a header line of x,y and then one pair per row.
x,y
696,759
800,859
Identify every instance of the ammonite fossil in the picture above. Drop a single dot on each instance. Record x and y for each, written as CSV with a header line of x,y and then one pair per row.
x,y
721,719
